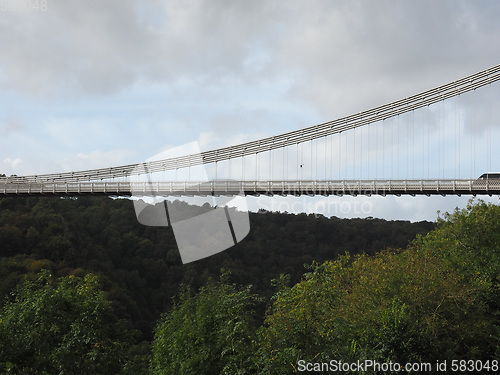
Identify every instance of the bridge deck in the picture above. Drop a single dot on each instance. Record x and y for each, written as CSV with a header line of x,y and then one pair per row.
x,y
337,187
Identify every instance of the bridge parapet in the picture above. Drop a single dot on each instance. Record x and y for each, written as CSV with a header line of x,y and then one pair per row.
x,y
283,188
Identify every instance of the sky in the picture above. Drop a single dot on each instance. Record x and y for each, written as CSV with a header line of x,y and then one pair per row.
x,y
104,83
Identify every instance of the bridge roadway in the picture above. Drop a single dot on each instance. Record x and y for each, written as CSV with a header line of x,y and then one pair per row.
x,y
256,188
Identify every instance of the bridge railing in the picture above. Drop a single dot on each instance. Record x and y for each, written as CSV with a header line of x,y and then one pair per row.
x,y
284,187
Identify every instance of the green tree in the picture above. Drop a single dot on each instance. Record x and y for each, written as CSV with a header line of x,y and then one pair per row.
x,y
60,326
303,322
469,239
437,299
211,332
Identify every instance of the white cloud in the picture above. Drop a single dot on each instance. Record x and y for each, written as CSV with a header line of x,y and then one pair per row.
x,y
358,54
11,164
339,53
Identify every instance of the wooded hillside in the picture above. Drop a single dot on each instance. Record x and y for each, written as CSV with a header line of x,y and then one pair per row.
x,y
136,270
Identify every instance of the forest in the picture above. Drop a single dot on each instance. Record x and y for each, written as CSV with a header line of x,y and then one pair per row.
x,y
85,289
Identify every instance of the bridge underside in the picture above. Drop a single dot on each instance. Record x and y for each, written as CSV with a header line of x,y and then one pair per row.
x,y
256,188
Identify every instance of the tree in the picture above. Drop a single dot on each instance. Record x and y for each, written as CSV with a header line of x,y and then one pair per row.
x,y
469,239
304,322
435,300
60,326
211,332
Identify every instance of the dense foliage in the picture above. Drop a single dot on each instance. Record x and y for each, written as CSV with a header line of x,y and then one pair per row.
x,y
140,267
83,284
436,300
210,333
66,327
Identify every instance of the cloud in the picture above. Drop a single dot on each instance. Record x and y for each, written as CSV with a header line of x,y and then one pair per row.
x,y
94,48
103,47
13,124
358,54
11,163
341,56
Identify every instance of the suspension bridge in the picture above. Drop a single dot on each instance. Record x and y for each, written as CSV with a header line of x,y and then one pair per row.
x,y
435,142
